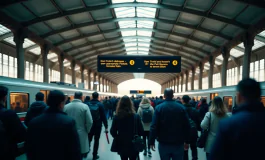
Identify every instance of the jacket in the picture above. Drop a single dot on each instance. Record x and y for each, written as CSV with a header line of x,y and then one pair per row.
x,y
103,118
82,116
170,124
140,112
36,109
15,131
122,130
194,115
214,125
203,110
52,136
242,135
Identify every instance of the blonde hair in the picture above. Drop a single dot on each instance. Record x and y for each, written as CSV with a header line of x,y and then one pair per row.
x,y
145,101
218,107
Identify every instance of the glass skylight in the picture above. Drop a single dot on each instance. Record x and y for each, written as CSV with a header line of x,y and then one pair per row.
x,y
77,68
145,24
144,33
144,40
236,53
144,53
206,66
147,1
127,24
257,44
143,44
146,12
130,44
36,51
128,33
51,55
27,43
125,12
129,40
4,30
241,45
10,40
121,1
262,34
55,59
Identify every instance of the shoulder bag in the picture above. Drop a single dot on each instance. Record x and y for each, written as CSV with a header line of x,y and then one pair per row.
x,y
137,141
204,135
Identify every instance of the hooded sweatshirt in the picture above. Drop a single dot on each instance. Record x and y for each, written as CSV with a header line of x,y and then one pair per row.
x,y
36,109
140,112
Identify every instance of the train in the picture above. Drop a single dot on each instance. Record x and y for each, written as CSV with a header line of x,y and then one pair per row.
x,y
22,93
227,93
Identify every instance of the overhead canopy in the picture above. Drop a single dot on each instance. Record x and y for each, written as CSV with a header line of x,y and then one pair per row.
x,y
83,29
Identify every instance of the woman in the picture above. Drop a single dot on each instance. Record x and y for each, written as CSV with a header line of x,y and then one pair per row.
x,y
216,112
122,129
146,113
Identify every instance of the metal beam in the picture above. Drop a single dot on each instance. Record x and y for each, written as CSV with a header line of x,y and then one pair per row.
x,y
6,3
135,4
136,29
112,20
256,3
31,47
139,37
6,35
260,38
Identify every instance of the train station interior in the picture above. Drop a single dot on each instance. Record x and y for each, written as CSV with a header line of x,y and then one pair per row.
x,y
220,42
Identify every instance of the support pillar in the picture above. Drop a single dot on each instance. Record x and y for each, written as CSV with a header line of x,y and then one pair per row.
x,y
44,52
174,84
210,73
62,75
89,80
19,40
107,88
201,66
248,44
226,55
73,72
82,68
94,81
192,78
177,84
103,84
187,80
182,81
99,83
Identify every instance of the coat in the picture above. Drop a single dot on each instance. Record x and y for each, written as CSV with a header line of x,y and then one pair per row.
x,y
242,135
140,112
122,130
52,136
36,109
82,116
214,125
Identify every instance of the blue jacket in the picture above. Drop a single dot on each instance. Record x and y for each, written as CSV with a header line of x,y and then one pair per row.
x,y
242,135
170,124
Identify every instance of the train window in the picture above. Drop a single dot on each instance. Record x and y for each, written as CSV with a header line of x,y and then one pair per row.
x,y
263,100
212,95
199,98
228,102
19,102
46,93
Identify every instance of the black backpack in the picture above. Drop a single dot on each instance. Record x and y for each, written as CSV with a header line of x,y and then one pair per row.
x,y
147,115
107,104
94,109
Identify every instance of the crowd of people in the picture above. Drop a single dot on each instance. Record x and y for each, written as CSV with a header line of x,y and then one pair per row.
x,y
64,129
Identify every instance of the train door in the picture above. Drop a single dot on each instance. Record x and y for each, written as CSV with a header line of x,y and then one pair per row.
x,y
228,102
46,93
212,95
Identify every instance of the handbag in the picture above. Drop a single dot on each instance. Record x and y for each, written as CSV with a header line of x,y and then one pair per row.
x,y
114,145
204,135
138,142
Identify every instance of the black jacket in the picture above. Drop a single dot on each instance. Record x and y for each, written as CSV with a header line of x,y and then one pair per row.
x,y
204,108
52,135
103,118
15,131
194,115
36,109
170,124
242,135
123,130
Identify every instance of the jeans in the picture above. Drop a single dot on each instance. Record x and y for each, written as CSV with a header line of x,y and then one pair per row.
x,y
194,152
169,151
94,132
146,138
107,113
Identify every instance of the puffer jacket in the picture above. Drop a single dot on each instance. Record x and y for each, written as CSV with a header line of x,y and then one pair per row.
x,y
35,109
140,112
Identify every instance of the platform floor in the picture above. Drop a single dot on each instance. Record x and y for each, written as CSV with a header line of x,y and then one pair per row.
x,y
105,153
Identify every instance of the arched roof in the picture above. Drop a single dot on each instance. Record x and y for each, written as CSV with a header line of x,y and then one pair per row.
x,y
83,29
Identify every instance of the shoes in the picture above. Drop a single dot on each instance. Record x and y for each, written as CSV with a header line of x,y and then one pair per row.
x,y
149,153
95,157
145,153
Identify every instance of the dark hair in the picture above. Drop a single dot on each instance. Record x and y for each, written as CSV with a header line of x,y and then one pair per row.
x,y
109,97
87,98
95,95
186,99
3,92
78,95
125,107
106,97
168,93
161,97
55,98
39,96
249,88
203,100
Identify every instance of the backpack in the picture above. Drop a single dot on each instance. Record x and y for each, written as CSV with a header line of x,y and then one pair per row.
x,y
107,104
193,126
147,115
94,109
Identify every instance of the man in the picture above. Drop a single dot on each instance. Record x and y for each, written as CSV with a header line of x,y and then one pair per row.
x,y
12,131
160,100
170,126
242,135
195,122
137,102
87,100
53,135
97,111
82,116
36,108
204,108
107,107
